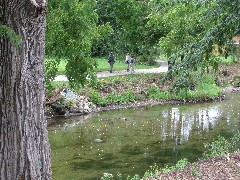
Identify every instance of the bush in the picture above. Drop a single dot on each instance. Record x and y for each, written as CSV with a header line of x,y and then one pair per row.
x,y
156,93
221,146
111,98
197,86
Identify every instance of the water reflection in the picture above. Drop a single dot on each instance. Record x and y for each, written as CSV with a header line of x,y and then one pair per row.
x,y
202,120
129,141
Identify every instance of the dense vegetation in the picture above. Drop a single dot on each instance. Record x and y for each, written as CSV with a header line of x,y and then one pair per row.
x,y
152,88
184,32
139,88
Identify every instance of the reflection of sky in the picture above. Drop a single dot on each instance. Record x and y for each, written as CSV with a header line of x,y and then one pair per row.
x,y
202,119
208,117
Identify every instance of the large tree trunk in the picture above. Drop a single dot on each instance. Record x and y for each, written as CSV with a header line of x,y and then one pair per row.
x,y
24,145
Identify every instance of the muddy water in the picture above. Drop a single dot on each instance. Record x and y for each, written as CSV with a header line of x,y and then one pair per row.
x,y
130,141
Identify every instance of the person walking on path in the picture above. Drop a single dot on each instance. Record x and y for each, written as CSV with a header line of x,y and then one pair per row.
x,y
111,61
127,61
132,63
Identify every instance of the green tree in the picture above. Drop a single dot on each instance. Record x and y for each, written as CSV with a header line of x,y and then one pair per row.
x,y
178,21
71,31
192,29
128,19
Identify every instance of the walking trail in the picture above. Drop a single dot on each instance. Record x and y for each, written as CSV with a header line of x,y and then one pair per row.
x,y
162,68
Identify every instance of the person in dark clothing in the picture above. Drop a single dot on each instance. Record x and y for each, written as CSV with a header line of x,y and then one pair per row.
x,y
111,61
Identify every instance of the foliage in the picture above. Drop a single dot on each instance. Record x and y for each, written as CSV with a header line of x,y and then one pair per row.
x,y
10,34
176,20
192,31
227,61
151,172
222,146
185,32
60,68
217,147
128,20
180,86
196,172
124,89
179,165
156,93
107,176
71,31
201,25
207,88
112,98
197,86
132,88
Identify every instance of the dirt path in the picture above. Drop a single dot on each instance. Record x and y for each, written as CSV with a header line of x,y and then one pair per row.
x,y
137,71
163,68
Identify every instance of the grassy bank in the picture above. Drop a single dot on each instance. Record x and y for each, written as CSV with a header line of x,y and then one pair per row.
x,y
135,88
121,90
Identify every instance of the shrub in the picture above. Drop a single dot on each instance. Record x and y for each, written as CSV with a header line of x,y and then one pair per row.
x,y
157,93
221,146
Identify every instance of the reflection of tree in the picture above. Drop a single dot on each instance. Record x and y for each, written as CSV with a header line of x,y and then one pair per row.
x,y
179,129
164,126
180,125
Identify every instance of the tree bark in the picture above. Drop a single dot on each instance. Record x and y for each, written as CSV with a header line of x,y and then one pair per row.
x,y
24,145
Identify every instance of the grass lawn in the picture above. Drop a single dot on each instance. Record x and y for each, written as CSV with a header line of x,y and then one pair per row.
x,y
104,66
119,65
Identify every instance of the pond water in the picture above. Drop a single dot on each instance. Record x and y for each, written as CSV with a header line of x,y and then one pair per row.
x,y
129,141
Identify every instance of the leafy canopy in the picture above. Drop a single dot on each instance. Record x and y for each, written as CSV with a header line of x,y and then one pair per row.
x,y
192,31
128,19
186,32
71,31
